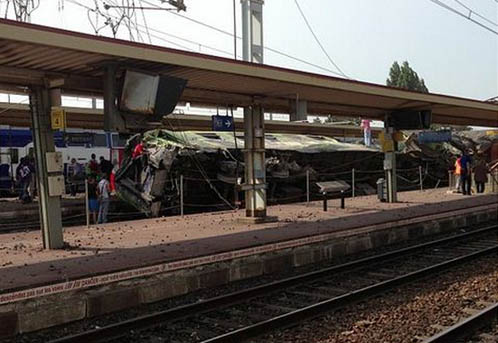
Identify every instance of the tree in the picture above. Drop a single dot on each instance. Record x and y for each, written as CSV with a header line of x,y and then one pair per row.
x,y
406,78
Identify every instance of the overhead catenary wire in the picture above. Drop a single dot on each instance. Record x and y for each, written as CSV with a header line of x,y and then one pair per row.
x,y
451,9
318,40
278,52
471,11
150,29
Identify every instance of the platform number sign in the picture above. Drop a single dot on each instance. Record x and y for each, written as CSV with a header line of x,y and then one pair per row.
x,y
434,136
222,123
58,118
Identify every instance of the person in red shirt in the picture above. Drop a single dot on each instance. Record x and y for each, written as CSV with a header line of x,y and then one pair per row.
x,y
367,132
137,151
458,172
136,157
112,178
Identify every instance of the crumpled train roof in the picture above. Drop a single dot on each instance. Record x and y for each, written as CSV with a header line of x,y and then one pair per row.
x,y
211,141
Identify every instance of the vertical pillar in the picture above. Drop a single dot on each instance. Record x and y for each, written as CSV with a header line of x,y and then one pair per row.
x,y
112,119
254,132
390,164
254,157
50,206
252,30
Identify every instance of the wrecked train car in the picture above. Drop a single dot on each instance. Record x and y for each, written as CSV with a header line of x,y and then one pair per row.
x,y
211,165
482,144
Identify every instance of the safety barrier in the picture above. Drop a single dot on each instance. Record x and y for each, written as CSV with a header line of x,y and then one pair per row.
x,y
304,180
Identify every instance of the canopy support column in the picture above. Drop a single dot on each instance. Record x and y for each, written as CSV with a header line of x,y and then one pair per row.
x,y
41,101
254,157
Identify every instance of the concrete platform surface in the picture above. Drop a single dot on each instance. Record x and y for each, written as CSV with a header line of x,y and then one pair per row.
x,y
125,245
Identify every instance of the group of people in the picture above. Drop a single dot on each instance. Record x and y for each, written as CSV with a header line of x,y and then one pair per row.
x,y
99,188
464,169
98,175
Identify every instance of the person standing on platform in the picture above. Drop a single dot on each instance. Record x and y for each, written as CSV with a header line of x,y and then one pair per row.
x,y
112,178
367,131
73,174
93,202
32,187
457,173
92,168
19,178
481,176
105,166
104,193
466,172
25,180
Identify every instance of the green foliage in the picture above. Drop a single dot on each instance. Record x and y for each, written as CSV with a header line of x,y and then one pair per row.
x,y
406,78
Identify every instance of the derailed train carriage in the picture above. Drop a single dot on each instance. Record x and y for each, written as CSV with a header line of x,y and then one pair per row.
x,y
212,168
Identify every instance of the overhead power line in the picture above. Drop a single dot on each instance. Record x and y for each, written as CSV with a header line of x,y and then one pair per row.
x,y
451,9
472,12
147,31
278,52
318,41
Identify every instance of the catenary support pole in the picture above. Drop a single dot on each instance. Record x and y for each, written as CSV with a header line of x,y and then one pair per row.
x,y
43,139
252,30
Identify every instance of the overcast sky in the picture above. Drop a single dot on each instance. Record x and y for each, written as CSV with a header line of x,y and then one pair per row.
x,y
364,37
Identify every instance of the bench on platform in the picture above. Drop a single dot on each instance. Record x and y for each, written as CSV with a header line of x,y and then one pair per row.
x,y
329,187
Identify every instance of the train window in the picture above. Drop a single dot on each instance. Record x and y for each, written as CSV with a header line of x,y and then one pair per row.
x,y
118,141
210,136
100,139
14,156
318,138
271,138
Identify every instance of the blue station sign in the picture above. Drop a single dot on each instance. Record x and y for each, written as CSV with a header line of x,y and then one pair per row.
x,y
222,123
434,136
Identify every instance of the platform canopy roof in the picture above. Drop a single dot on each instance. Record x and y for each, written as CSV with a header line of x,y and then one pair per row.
x,y
30,54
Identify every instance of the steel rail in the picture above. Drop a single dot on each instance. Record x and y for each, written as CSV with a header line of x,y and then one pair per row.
x,y
466,327
314,310
120,329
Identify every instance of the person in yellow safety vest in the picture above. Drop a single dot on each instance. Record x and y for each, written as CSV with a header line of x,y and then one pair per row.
x,y
458,172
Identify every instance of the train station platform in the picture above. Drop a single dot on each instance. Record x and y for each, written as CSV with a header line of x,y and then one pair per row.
x,y
153,259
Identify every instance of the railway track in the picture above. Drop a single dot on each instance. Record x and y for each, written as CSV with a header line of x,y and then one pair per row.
x,y
463,331
249,313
